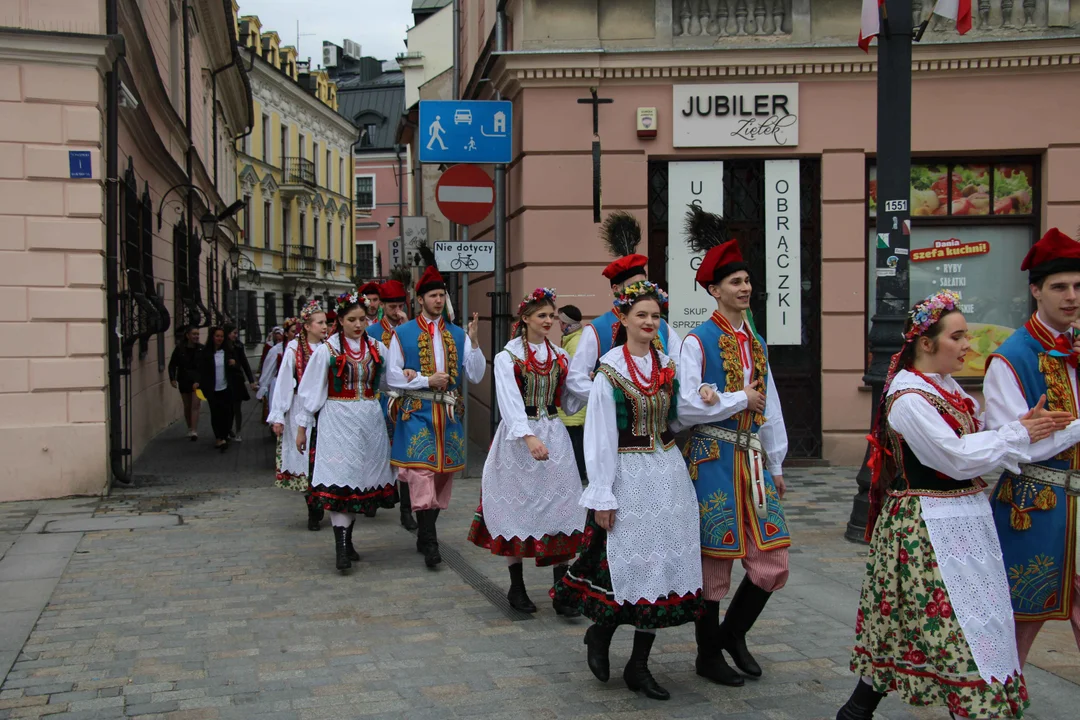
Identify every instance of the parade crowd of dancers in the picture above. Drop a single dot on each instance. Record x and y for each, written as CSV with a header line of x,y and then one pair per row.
x,y
368,411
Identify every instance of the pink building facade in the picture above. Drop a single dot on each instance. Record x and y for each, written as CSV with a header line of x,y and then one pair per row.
x,y
377,211
996,163
78,260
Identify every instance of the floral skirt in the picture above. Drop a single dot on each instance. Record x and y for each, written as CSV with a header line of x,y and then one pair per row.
x,y
548,550
290,481
587,586
352,500
907,638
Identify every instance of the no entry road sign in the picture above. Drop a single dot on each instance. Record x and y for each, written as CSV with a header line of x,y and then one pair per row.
x,y
465,194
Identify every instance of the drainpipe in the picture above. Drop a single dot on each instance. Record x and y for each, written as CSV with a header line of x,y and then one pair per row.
x,y
501,302
400,194
213,107
117,453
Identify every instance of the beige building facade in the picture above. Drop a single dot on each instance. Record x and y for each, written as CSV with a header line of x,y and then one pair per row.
x,y
745,100
92,284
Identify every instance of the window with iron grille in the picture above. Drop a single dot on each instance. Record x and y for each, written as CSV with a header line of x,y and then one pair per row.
x,y
365,192
270,309
365,260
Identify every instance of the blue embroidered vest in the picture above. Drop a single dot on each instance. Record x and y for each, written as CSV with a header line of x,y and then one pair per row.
x,y
721,474
426,437
1036,523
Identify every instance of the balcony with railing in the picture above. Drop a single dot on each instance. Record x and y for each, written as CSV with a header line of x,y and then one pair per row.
x,y
300,260
298,171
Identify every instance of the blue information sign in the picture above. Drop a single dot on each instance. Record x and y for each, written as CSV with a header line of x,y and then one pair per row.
x,y
465,131
79,164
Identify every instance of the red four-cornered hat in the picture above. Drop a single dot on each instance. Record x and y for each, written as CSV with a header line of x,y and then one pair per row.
x,y
430,280
719,262
392,291
626,267
371,288
1055,252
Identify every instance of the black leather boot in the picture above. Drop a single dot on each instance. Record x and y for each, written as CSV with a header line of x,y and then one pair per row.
x,y
340,540
370,512
407,520
636,675
517,597
431,552
314,517
598,639
567,611
710,663
746,606
862,703
349,549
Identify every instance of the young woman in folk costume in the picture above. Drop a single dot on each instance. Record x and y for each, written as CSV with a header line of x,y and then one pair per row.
x,y
271,364
531,485
394,301
292,465
352,458
735,453
621,233
935,623
641,562
275,336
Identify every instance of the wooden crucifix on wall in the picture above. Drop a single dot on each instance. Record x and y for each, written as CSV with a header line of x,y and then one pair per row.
x,y
596,102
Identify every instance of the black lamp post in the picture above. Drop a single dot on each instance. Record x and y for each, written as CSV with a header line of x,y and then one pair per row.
x,y
891,300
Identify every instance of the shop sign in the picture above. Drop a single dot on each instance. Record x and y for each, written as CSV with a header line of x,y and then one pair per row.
x,y
689,183
764,115
980,263
783,253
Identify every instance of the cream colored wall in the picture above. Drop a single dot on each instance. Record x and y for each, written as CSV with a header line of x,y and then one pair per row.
x,y
435,39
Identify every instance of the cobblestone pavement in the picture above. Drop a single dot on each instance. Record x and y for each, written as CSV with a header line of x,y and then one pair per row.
x,y
210,599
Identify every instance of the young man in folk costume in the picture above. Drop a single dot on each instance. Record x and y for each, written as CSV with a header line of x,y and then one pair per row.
x,y
394,301
735,454
374,300
1036,512
622,233
429,437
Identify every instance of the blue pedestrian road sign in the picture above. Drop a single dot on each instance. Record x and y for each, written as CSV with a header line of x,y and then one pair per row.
x,y
465,131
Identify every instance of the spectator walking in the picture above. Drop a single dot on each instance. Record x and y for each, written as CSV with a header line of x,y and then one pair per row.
x,y
182,375
240,378
212,371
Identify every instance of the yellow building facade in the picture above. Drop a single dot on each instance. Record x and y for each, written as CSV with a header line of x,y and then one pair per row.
x,y
294,171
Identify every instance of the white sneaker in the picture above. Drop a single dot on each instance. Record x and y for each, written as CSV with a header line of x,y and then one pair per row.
x,y
237,438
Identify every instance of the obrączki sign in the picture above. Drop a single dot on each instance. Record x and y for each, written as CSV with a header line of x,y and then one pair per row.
x,y
762,115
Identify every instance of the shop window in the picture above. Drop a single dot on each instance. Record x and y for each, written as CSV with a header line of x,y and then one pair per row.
x,y
972,225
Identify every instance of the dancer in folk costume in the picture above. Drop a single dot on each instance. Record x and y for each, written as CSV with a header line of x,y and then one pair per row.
x,y
293,466
531,485
429,438
371,291
273,338
394,303
621,233
735,454
271,365
352,457
1036,511
934,623
640,564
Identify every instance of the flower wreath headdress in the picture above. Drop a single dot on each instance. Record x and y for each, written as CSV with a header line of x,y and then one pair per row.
x,y
312,308
346,299
929,311
537,295
632,292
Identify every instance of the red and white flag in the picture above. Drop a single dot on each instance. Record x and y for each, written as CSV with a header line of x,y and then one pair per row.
x,y
959,11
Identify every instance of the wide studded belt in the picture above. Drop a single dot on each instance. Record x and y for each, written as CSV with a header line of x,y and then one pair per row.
x,y
1068,480
751,444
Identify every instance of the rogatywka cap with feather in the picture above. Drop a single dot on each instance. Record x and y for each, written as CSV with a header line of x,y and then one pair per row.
x,y
706,232
430,279
622,233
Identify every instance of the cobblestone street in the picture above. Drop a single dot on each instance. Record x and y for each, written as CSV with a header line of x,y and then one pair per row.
x,y
200,594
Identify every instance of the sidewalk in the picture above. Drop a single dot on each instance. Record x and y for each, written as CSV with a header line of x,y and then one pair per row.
x,y
200,594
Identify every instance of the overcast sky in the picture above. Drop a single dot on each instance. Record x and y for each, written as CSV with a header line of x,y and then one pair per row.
x,y
378,25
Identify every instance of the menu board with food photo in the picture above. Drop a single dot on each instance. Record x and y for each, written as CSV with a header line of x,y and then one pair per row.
x,y
960,190
982,264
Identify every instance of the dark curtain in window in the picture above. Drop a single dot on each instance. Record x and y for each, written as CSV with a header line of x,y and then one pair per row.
x,y
270,309
252,333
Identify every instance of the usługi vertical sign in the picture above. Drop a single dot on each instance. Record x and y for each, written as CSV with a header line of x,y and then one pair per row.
x,y
689,183
783,253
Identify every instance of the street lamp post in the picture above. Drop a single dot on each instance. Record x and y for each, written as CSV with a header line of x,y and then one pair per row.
x,y
892,241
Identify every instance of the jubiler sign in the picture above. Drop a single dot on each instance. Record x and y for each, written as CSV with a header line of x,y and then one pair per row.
x,y
736,115
783,253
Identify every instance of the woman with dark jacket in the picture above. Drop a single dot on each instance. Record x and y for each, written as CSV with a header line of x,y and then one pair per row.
x,y
182,375
218,382
240,379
